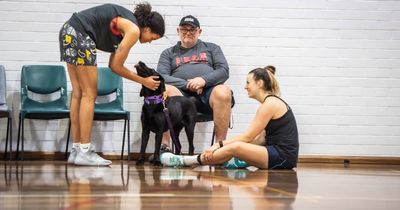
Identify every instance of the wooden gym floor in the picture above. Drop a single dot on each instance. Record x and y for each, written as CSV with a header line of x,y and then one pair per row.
x,y
55,185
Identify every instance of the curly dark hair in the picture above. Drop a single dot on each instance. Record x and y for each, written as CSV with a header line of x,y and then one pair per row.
x,y
148,18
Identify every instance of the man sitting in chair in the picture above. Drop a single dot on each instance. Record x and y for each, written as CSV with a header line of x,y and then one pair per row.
x,y
194,68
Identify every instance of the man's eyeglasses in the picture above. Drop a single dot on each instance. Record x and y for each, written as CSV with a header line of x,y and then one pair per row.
x,y
186,30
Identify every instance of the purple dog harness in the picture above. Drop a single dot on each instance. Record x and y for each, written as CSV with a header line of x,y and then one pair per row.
x,y
154,99
160,99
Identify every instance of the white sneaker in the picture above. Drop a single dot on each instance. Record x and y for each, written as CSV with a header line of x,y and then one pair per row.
x,y
90,158
169,159
72,155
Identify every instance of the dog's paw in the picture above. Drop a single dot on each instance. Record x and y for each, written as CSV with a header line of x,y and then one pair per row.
x,y
157,163
140,162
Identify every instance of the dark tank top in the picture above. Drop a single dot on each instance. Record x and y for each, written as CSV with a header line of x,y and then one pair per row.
x,y
96,22
282,133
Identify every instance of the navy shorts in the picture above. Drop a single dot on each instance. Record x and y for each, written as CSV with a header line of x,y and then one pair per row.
x,y
276,161
75,47
202,100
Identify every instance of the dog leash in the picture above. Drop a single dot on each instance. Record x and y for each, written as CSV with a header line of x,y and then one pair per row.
x,y
171,129
156,99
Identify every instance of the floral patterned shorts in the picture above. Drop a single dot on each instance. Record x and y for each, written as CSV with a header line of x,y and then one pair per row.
x,y
76,48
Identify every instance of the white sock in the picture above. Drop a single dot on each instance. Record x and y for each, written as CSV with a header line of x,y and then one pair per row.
x,y
85,147
76,145
190,160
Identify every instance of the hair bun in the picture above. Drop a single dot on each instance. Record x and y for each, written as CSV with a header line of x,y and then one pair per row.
x,y
271,69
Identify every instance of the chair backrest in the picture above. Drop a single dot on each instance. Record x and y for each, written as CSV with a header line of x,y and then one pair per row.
x,y
43,79
2,86
108,83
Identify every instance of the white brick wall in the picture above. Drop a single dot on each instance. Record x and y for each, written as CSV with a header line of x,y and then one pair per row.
x,y
337,61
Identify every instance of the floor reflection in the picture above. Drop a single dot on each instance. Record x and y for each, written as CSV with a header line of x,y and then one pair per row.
x,y
210,188
55,185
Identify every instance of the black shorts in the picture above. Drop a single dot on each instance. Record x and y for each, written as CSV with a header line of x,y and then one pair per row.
x,y
276,161
203,100
76,47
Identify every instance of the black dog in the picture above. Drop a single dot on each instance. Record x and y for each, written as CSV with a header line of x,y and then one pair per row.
x,y
182,113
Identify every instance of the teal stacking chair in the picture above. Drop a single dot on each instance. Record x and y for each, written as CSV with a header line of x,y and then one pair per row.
x,y
44,80
5,112
109,84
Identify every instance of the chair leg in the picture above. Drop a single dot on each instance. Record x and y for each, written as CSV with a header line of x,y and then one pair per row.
x,y
19,132
22,139
68,135
123,140
10,152
213,136
129,141
8,129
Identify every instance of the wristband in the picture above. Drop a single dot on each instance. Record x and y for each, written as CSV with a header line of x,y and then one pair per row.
x,y
221,144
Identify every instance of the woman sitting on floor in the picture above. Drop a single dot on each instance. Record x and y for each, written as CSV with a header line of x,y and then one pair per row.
x,y
281,147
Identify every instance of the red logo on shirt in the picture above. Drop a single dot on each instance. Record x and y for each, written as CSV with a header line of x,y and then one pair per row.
x,y
200,58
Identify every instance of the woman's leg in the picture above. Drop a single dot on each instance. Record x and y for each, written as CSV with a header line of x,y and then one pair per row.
x,y
253,154
75,103
87,76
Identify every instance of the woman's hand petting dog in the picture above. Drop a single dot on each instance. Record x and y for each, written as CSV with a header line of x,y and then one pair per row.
x,y
152,82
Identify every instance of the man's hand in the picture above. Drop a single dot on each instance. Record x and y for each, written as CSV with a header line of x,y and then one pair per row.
x,y
196,85
151,82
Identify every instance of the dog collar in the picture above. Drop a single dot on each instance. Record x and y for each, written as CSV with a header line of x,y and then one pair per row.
x,y
154,99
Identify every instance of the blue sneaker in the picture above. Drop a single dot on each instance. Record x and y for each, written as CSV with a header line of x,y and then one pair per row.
x,y
235,163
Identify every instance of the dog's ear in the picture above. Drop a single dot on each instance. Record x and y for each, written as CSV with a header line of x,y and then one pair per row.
x,y
141,92
162,83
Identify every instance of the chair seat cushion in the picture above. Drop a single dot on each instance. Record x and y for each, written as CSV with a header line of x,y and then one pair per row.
x,y
48,110
31,106
5,113
110,111
112,107
204,117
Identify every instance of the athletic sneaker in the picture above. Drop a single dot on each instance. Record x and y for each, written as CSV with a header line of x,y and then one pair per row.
x,y
169,159
165,148
235,163
72,155
90,158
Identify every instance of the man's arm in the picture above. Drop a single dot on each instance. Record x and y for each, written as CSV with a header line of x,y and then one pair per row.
x,y
221,68
164,68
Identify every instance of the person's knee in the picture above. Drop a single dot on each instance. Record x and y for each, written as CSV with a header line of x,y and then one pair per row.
x,y
76,94
172,90
221,94
234,147
90,96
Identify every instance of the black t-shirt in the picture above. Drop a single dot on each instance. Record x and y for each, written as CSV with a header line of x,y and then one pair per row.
x,y
96,22
282,133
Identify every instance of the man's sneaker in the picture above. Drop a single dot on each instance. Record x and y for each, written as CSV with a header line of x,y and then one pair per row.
x,y
90,158
72,155
165,148
235,163
169,159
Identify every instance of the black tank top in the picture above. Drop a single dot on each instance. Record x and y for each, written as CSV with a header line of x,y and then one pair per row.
x,y
96,21
282,133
